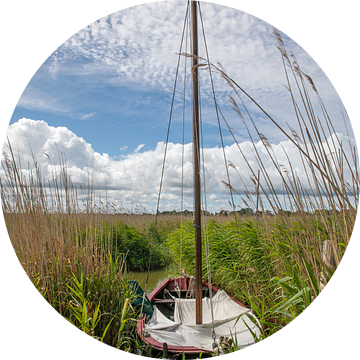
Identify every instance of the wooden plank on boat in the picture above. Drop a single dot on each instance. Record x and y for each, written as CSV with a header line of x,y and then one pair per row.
x,y
163,301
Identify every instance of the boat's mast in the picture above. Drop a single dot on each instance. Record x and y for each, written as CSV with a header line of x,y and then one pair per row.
x,y
197,189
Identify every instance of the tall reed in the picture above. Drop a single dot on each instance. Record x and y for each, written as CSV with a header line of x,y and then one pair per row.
x,y
314,218
58,235
281,265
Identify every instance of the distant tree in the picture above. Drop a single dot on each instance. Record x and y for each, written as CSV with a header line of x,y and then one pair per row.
x,y
245,211
284,212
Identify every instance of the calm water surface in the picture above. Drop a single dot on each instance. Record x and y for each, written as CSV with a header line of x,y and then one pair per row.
x,y
156,277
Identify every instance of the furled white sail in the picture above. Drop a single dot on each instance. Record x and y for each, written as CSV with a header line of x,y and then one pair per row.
x,y
184,332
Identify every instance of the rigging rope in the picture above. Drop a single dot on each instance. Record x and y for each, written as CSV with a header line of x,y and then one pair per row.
x,y
177,288
165,153
206,229
219,126
183,155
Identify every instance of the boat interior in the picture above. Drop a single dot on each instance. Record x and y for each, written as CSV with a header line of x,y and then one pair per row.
x,y
183,288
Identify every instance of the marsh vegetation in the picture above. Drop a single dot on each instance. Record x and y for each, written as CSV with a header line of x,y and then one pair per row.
x,y
79,253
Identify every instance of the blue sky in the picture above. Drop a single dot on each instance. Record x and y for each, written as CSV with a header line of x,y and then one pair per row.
x,y
108,89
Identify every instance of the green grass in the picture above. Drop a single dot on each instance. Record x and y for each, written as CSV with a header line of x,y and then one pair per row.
x,y
137,246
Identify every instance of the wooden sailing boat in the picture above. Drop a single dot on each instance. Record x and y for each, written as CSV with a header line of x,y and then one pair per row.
x,y
178,322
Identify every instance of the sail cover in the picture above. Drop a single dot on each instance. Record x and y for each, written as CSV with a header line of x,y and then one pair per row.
x,y
184,332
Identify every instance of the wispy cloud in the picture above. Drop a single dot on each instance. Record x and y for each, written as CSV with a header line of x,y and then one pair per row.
x,y
121,66
139,148
87,116
138,45
37,99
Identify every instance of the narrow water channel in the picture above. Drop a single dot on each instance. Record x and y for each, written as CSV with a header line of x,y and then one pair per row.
x,y
156,277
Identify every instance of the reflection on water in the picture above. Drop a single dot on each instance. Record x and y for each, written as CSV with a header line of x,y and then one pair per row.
x,y
156,277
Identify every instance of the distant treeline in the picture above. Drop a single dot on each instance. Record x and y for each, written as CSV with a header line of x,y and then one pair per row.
x,y
243,211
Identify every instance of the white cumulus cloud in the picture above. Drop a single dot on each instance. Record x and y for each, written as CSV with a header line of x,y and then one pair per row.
x,y
135,178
